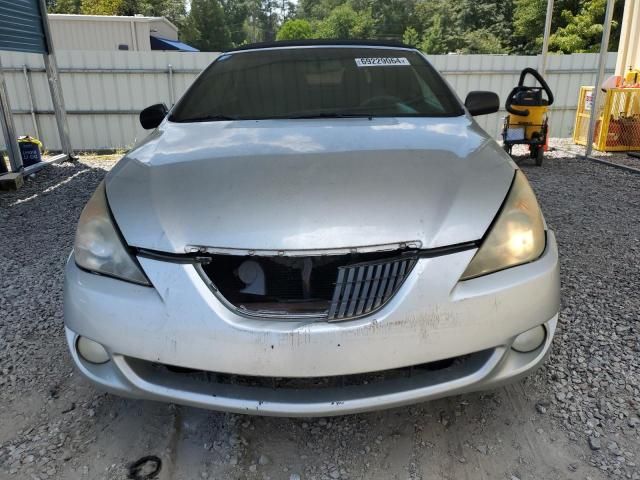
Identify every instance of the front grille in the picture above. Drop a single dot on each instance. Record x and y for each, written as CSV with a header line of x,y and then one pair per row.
x,y
301,395
437,371
334,287
364,288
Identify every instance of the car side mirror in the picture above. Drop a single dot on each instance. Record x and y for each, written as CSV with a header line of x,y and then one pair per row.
x,y
152,116
482,103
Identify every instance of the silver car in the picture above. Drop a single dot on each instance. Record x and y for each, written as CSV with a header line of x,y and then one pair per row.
x,y
314,229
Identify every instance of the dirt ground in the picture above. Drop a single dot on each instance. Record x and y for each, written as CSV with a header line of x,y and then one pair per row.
x,y
575,418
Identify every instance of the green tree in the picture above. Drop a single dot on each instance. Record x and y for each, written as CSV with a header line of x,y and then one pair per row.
x,y
258,22
479,26
345,23
411,37
433,38
437,26
104,7
295,29
482,41
235,14
173,10
205,27
268,20
391,17
528,24
64,6
439,23
317,9
583,31
485,25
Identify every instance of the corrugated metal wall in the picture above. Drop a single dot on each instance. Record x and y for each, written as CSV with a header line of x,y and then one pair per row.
x,y
98,32
104,91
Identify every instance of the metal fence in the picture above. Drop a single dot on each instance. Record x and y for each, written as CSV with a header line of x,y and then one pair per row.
x,y
105,91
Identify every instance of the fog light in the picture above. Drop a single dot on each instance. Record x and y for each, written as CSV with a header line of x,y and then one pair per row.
x,y
91,351
529,340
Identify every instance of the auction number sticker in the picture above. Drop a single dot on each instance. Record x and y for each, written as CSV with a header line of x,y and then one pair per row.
x,y
382,62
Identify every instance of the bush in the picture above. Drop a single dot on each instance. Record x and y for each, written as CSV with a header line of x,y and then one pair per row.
x,y
294,30
345,23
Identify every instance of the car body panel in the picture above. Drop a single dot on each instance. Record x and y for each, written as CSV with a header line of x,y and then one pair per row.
x,y
309,184
432,317
504,366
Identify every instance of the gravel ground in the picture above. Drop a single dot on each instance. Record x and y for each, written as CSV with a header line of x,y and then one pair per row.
x,y
620,158
577,417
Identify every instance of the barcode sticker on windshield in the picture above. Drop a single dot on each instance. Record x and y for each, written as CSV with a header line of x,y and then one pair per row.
x,y
382,62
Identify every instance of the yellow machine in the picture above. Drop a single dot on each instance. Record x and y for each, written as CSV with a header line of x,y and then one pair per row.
x,y
527,121
632,78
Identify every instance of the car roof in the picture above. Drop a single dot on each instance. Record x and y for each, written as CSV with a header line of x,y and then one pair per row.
x,y
314,43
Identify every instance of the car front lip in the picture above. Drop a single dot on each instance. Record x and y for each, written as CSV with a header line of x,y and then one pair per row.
x,y
181,323
501,365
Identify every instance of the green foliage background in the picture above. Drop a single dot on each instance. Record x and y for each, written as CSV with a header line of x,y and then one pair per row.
x,y
435,26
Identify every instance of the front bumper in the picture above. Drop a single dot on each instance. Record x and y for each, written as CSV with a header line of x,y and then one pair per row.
x,y
433,317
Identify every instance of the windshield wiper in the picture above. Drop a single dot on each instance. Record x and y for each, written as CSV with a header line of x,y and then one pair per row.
x,y
205,118
332,115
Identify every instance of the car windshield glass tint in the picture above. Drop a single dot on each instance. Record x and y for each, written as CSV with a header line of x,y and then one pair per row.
x,y
317,82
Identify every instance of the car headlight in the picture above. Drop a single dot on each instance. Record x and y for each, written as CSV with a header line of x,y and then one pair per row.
x,y
99,247
517,235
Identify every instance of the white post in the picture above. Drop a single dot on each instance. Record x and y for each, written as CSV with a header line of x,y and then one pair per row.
x,y
545,38
602,61
54,85
134,36
8,128
629,48
58,103
32,107
171,89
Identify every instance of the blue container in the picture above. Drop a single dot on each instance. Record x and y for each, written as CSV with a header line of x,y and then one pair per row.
x,y
30,153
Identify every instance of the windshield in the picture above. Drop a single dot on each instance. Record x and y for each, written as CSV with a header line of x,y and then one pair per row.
x,y
317,82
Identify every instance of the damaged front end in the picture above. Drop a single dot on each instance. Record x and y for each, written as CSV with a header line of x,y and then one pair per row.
x,y
330,287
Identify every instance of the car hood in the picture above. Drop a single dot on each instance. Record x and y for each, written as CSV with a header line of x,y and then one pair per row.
x,y
309,184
